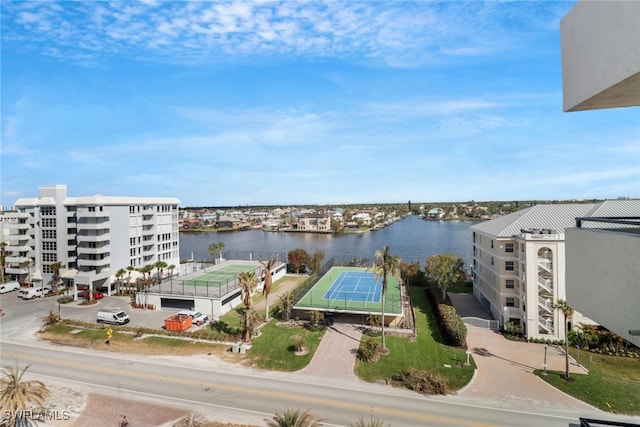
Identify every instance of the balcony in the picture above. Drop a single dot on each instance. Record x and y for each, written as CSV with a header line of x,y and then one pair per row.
x,y
16,259
104,237
512,312
93,225
16,226
16,239
93,251
104,262
17,270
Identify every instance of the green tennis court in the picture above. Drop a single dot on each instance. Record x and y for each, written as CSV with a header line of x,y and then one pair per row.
x,y
352,290
221,276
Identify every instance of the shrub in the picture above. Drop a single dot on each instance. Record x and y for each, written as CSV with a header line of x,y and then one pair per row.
x,y
452,325
374,320
423,382
369,351
51,319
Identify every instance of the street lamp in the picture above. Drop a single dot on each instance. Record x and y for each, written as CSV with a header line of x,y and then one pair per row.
x,y
544,365
468,353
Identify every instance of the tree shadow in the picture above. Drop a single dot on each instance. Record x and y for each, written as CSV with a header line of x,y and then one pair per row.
x,y
223,327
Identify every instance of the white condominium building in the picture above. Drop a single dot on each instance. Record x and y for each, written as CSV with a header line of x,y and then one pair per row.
x,y
519,267
92,237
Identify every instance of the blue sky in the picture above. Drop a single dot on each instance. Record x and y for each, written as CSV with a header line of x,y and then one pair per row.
x,y
282,103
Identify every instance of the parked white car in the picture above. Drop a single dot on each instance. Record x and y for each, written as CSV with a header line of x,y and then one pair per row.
x,y
9,287
198,318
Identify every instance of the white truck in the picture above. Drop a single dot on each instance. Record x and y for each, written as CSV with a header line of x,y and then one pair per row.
x,y
116,316
9,286
31,293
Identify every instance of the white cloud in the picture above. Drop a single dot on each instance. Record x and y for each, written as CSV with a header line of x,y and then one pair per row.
x,y
397,33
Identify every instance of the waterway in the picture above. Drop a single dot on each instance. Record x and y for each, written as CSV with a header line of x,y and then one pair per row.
x,y
411,239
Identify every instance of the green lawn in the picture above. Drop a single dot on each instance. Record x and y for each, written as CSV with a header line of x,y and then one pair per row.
x,y
612,385
424,353
272,349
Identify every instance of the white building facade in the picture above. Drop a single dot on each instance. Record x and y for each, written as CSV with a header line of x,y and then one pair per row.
x,y
92,237
519,264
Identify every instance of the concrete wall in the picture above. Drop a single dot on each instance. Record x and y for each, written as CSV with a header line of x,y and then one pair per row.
x,y
601,55
603,274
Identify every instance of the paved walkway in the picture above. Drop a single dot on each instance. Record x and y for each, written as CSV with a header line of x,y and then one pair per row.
x,y
336,354
505,367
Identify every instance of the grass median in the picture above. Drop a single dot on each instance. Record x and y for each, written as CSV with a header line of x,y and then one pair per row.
x,y
426,352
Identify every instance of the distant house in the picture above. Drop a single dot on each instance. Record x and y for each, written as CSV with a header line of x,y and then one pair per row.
x,y
363,217
315,222
435,213
228,222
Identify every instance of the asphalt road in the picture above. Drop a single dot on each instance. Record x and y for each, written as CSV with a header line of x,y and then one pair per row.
x,y
245,395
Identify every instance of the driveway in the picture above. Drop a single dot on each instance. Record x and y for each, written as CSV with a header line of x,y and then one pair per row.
x,y
505,367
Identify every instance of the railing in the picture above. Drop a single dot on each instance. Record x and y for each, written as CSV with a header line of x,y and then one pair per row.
x,y
546,284
546,264
546,324
547,305
512,312
522,294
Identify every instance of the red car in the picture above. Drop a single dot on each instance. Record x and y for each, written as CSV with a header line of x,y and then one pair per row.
x,y
96,295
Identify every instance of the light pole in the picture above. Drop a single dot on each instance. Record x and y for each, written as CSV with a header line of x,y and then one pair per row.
x,y
468,353
544,365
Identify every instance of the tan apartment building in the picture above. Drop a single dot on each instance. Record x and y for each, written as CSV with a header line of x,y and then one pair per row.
x,y
519,264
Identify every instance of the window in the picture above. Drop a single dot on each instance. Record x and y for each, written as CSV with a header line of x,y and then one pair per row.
x,y
491,244
511,302
49,257
491,260
48,210
48,234
48,222
508,247
92,208
49,246
509,266
510,284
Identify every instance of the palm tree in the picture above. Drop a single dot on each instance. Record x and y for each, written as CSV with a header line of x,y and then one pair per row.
x,y
268,280
294,418
130,269
3,256
171,268
215,249
247,282
567,311
385,264
160,266
55,270
119,275
18,396
28,265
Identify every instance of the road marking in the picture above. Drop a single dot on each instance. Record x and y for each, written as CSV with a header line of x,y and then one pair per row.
x,y
254,391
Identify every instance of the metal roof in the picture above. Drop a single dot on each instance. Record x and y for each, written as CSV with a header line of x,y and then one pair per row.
x,y
556,217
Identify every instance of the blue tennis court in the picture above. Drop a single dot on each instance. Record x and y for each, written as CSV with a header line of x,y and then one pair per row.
x,y
355,286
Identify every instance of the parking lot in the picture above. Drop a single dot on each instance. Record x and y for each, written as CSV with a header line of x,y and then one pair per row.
x,y
22,315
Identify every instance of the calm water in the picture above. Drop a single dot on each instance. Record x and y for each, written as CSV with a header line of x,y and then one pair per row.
x,y
411,239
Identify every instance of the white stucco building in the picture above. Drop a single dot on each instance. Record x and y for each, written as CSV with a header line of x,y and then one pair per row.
x,y
92,237
520,267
